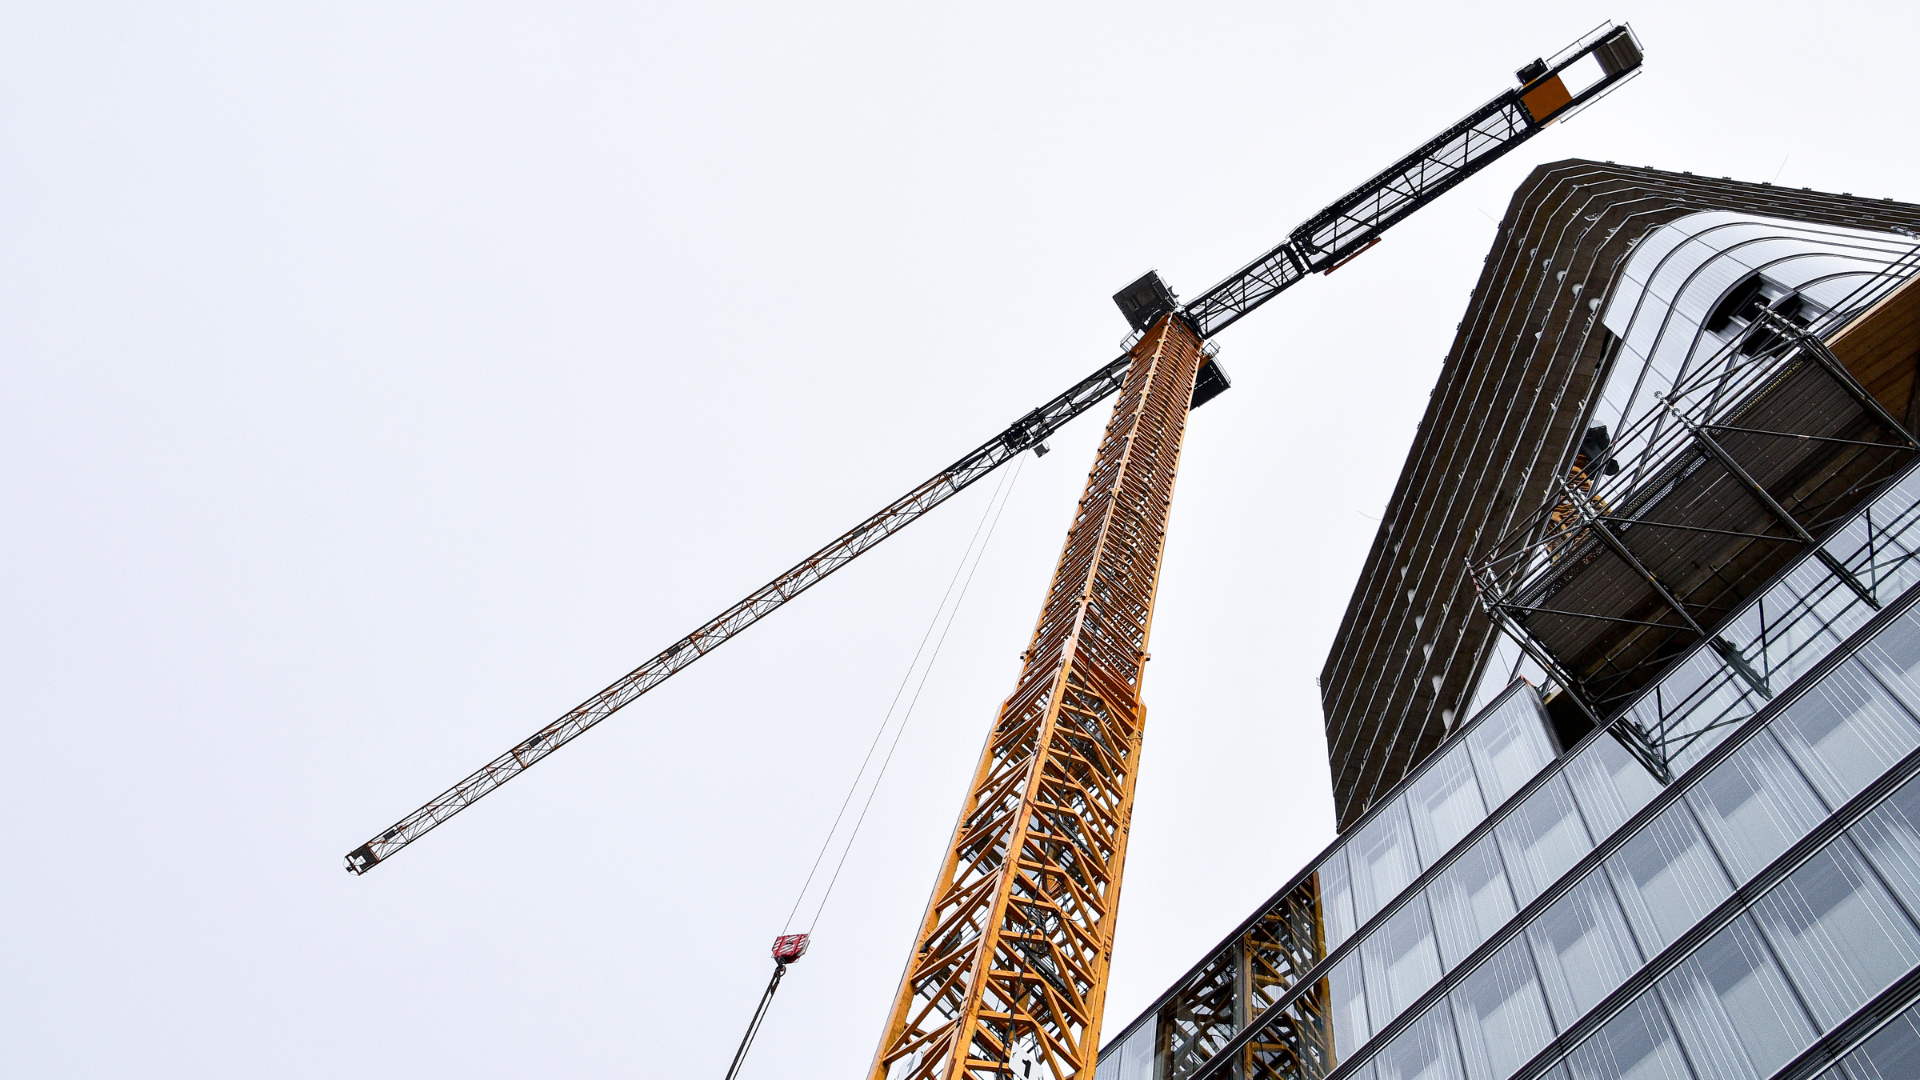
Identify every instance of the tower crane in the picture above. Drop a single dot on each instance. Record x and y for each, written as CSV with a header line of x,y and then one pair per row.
x,y
1008,975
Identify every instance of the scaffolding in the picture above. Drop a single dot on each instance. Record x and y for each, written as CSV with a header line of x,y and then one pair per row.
x,y
1748,463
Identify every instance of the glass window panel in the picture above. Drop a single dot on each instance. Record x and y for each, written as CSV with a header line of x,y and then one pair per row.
x,y
1890,836
1893,568
1470,901
1349,1007
1401,961
1701,694
1425,1051
1838,933
1381,859
1894,655
1582,948
1295,1044
1754,806
1824,601
1610,785
1845,732
1496,674
1667,878
1501,1016
1897,499
1879,545
1737,1017
1510,747
1720,705
1446,804
1541,839
1636,1044
1893,1053
1784,633
1336,898
1132,1059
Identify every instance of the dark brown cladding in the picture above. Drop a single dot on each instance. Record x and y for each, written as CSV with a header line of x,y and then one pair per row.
x,y
1501,423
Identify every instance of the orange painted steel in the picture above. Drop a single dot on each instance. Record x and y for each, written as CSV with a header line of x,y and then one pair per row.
x,y
1008,977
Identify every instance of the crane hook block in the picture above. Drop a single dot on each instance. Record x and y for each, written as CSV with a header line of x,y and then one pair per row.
x,y
789,947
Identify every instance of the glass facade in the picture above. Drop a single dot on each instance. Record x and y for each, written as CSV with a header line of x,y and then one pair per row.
x,y
1513,911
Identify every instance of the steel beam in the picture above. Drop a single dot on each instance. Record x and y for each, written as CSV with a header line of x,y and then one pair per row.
x,y
1772,505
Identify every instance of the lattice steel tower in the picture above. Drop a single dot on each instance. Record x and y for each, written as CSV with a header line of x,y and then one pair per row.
x,y
1013,951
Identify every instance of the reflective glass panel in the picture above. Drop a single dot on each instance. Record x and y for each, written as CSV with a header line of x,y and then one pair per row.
x,y
1401,961
1470,901
1667,878
1696,706
1755,805
1541,839
1845,732
1132,1059
1636,1044
1736,1015
1336,898
1510,747
1786,631
1348,1005
1500,1014
1893,1053
1894,655
1610,785
1382,861
1890,836
1446,804
1425,1051
1583,949
1295,1043
1838,933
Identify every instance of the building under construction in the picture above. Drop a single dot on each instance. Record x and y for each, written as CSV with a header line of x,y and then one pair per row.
x,y
1623,717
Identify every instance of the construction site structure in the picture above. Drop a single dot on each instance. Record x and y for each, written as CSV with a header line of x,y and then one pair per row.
x,y
1623,718
1010,967
1009,970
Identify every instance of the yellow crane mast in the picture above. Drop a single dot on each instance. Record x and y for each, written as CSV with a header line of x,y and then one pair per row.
x,y
1010,970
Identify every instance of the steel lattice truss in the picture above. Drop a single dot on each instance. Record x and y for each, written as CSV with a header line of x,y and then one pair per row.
x,y
1357,219
1026,432
1012,956
1699,450
1336,233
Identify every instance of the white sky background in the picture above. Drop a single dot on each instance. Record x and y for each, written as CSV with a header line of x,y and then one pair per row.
x,y
381,380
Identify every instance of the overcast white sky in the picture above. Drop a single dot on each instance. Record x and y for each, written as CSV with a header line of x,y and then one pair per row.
x,y
381,380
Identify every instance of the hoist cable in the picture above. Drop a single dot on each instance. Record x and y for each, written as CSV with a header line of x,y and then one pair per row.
x,y
753,1026
975,551
989,518
915,700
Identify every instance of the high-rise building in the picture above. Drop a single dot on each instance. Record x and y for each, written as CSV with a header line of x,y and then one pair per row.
x,y
1624,716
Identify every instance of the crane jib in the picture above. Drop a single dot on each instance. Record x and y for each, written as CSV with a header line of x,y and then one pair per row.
x,y
1345,227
